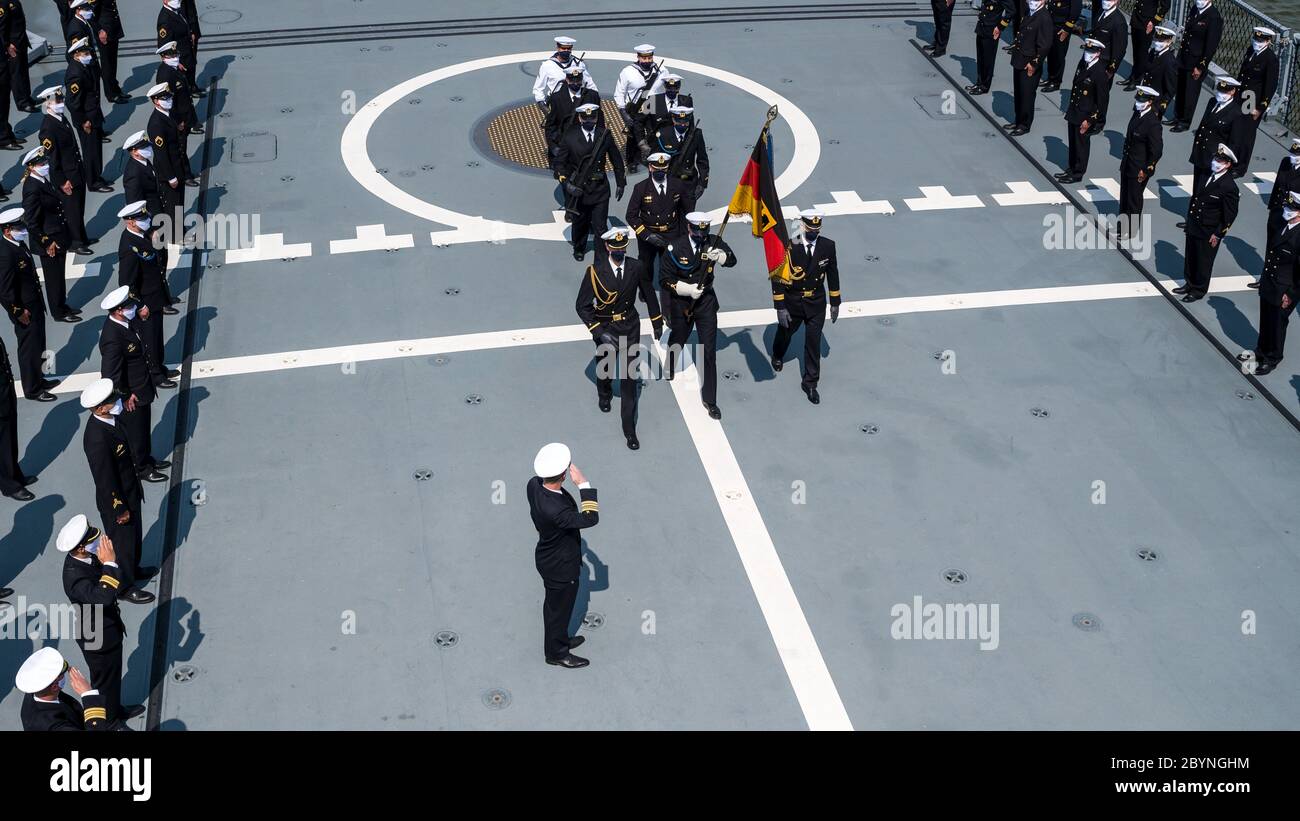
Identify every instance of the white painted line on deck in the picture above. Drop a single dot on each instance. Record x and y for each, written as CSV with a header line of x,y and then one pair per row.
x,y
1023,192
1182,188
267,247
1106,189
936,197
371,238
848,202
1265,185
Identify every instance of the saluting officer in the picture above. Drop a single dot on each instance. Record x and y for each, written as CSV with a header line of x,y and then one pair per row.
x,y
559,521
607,306
182,111
1086,113
1028,51
663,103
1142,22
942,11
20,294
91,579
43,214
550,74
118,492
636,83
1279,286
994,17
13,482
1201,35
108,33
140,268
1161,68
683,142
1286,181
581,163
686,270
1210,215
1065,16
1223,122
82,83
175,26
1144,144
170,164
562,111
59,139
654,213
814,276
1259,78
46,707
127,358
14,23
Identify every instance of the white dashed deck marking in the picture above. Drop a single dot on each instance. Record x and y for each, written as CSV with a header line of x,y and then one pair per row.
x,y
936,197
1023,192
267,247
371,238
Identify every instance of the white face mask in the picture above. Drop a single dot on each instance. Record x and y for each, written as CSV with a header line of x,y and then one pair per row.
x,y
1217,166
84,59
1035,5
172,61
1141,105
118,407
129,313
19,234
85,14
173,4
1289,214
146,153
1202,5
166,105
93,547
56,108
1258,45
1108,4
1295,159
143,223
42,170
1223,96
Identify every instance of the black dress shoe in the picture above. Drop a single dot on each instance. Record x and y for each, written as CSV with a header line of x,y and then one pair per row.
x,y
83,250
166,384
632,443
939,52
105,139
1009,127
153,476
1181,289
1264,368
1180,225
69,318
12,145
43,396
571,661
170,311
777,364
135,710
28,108
173,374
578,255
1254,285
1178,129
813,396
161,464
6,592
21,495
603,404
1050,87
194,183
102,188
714,411
1018,131
122,97
198,129
137,596
50,384
575,641
1192,297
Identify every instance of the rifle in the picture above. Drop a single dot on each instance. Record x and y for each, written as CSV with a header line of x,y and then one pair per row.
x,y
688,149
634,104
584,171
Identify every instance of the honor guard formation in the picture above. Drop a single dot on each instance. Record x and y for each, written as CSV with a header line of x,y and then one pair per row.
x,y
102,566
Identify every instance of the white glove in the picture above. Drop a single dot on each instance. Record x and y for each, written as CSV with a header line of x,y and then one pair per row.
x,y
684,289
717,255
696,292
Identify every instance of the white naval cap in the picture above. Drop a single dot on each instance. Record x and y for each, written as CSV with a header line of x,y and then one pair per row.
x,y
812,216
658,158
34,156
10,216
42,668
699,219
616,237
79,3
1293,198
116,298
79,44
135,139
1226,152
160,88
1295,144
645,48
565,41
552,460
1147,92
170,45
575,70
78,532
49,92
1225,80
669,77
96,393
135,209
1093,44
681,110
1266,31
587,108
1165,32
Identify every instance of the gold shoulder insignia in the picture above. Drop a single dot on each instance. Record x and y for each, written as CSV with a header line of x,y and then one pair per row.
x,y
130,347
76,89
121,449
162,33
48,143
158,141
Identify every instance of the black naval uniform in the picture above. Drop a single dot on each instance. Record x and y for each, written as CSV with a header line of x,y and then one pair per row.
x,y
1287,180
813,278
1161,74
1144,143
182,113
140,182
174,25
64,11
75,29
20,292
190,7
7,136
1222,123
559,522
1211,213
681,262
1201,35
62,147
1145,13
108,22
942,10
93,586
46,223
12,478
654,217
13,31
65,714
993,16
140,268
593,202
81,85
562,114
1089,97
117,491
1259,78
1029,49
661,115
1281,276
607,306
1111,29
168,161
1065,16
127,358
689,159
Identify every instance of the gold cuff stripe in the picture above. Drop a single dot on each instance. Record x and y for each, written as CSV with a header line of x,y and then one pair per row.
x,y
835,293
109,580
93,713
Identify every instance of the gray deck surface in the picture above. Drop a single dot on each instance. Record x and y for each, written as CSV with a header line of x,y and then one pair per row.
x,y
311,509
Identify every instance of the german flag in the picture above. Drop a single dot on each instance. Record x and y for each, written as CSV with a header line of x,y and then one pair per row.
x,y
756,196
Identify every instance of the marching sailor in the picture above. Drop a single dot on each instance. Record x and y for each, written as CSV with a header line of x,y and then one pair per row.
x,y
562,111
683,142
636,84
803,300
655,211
580,162
550,74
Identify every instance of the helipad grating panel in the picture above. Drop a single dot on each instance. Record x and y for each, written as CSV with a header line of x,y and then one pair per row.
x,y
257,147
516,135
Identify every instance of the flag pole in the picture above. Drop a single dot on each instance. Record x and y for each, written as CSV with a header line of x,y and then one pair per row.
x,y
767,124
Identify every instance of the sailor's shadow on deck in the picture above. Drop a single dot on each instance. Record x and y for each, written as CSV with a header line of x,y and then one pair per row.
x,y
1236,325
180,622
1004,106
1246,254
1116,140
22,545
1169,259
969,67
175,347
140,80
164,431
594,579
83,341
58,432
1058,152
215,67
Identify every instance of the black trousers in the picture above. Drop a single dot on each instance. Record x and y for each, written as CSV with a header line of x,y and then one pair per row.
x,y
138,425
557,612
108,67
1026,92
1080,149
127,544
1198,264
31,349
11,475
812,316
53,269
106,675
1247,145
942,22
153,332
702,315
618,361
1273,320
173,200
1141,47
1132,194
20,79
6,128
92,157
986,54
631,147
74,211
1056,59
1187,94
593,215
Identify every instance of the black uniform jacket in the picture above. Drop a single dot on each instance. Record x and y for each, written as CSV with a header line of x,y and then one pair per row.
x,y
125,359
679,263
66,714
559,521
810,277
1214,209
564,111
140,183
20,288
167,157
93,586
572,155
608,304
648,210
1089,95
1033,41
140,268
1144,143
1227,125
117,485
1201,35
43,213
1281,267
693,168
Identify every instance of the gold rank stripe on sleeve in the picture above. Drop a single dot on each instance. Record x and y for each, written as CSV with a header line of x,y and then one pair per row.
x,y
589,507
639,229
778,297
96,714
593,326
109,580
835,293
